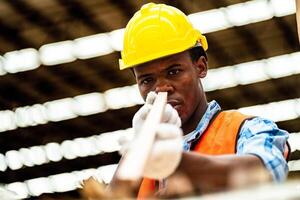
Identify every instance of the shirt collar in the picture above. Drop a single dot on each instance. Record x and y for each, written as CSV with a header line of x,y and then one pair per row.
x,y
212,108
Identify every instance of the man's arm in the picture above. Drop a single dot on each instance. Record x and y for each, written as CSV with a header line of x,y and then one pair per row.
x,y
213,173
259,157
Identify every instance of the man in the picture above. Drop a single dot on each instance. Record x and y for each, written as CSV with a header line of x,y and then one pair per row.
x,y
166,54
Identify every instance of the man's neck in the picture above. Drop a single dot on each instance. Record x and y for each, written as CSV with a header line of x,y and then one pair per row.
x,y
195,118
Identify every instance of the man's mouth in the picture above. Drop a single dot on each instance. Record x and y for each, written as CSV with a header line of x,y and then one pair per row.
x,y
174,103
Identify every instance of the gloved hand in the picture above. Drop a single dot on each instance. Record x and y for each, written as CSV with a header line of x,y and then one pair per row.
x,y
167,148
166,152
169,116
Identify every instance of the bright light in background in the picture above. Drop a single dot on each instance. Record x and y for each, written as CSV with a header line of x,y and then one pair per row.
x,y
249,12
88,104
2,71
39,186
282,8
14,159
53,152
105,43
68,108
85,147
215,20
22,60
276,67
75,150
123,97
250,72
106,173
87,173
3,165
19,188
70,181
8,121
34,115
64,182
294,165
218,79
294,141
116,98
38,155
116,39
108,142
294,62
68,149
61,109
92,46
276,111
60,182
26,157
37,114
57,53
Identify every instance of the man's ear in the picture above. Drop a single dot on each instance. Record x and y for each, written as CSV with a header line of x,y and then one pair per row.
x,y
201,66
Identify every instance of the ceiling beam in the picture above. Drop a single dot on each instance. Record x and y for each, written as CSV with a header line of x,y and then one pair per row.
x,y
125,7
12,34
288,31
36,17
75,9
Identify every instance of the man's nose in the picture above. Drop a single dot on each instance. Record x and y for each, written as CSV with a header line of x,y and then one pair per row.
x,y
163,86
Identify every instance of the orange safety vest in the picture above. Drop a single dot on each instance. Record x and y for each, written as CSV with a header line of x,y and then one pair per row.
x,y
219,138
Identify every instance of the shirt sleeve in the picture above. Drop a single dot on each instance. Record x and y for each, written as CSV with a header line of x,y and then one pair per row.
x,y
264,139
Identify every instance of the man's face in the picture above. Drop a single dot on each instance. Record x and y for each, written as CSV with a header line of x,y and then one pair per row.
x,y
178,76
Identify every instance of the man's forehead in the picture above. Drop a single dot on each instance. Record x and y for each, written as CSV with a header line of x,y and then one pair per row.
x,y
164,62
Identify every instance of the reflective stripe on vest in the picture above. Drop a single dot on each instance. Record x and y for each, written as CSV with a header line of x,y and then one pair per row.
x,y
219,138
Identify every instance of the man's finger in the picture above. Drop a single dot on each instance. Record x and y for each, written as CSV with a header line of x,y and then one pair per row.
x,y
178,122
142,113
167,114
168,131
174,117
151,97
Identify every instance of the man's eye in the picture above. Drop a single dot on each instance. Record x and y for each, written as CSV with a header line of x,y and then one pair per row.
x,y
173,71
146,81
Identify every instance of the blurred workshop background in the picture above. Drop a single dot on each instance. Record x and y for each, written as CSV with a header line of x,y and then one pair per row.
x,y
64,102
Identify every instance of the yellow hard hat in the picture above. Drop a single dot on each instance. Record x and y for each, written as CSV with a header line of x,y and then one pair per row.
x,y
155,31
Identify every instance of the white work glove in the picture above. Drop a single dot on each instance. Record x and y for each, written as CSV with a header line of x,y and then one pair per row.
x,y
166,152
169,116
167,148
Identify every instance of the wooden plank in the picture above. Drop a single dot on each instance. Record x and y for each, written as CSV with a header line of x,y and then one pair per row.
x,y
126,180
133,162
298,17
